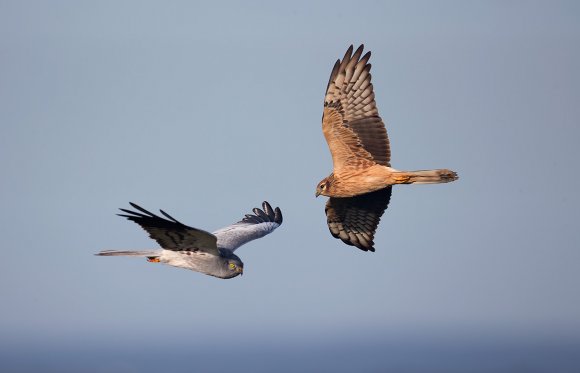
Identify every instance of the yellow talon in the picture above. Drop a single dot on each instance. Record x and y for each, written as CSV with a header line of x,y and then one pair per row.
x,y
153,260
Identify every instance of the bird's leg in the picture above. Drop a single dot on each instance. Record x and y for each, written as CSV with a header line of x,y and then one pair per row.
x,y
153,259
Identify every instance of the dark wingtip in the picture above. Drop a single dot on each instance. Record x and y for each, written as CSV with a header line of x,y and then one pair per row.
x,y
266,215
278,216
355,244
274,215
359,50
365,248
333,73
367,56
269,211
170,217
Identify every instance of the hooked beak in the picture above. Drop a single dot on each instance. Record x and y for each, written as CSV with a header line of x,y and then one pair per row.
x,y
317,194
241,270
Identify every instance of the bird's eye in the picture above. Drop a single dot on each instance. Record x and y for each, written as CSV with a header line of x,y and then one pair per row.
x,y
232,266
321,187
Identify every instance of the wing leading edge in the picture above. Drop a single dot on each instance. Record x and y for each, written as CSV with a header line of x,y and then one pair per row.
x,y
251,227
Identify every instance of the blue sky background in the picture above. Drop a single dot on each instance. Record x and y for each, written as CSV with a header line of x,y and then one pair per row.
x,y
206,110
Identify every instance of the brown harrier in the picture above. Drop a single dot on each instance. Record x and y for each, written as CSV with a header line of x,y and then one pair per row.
x,y
361,182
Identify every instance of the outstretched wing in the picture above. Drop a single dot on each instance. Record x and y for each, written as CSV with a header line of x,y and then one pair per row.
x,y
351,124
355,219
170,234
261,223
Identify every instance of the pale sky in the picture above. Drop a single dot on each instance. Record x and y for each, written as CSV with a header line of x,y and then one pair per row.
x,y
207,110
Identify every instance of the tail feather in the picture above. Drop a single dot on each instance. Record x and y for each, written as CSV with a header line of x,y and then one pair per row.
x,y
426,176
148,253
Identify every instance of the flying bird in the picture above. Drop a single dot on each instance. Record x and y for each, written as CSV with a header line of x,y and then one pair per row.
x,y
361,182
198,250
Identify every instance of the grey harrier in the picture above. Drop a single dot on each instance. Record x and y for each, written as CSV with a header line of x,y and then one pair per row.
x,y
198,250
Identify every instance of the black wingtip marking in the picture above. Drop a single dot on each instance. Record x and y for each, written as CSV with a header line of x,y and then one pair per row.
x,y
142,209
333,73
349,57
358,52
348,52
366,57
170,217
137,207
133,214
261,214
268,210
278,215
145,217
264,216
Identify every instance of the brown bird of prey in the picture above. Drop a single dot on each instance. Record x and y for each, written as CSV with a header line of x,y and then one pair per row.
x,y
360,184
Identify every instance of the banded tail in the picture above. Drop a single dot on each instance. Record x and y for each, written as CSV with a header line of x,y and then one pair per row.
x,y
425,176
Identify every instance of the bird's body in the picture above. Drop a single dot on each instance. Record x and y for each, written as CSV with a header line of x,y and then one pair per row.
x,y
198,250
199,261
362,178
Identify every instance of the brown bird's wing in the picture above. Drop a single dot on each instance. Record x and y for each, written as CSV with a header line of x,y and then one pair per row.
x,y
351,124
171,234
355,219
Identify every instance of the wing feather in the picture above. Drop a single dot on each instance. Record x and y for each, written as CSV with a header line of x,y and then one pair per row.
x,y
351,123
354,220
172,234
251,227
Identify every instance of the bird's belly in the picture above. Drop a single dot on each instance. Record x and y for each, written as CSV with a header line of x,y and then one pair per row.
x,y
182,259
372,180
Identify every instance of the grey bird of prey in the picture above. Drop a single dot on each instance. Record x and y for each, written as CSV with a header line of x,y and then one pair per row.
x,y
196,249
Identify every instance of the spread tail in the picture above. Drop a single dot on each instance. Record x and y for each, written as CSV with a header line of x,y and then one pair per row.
x,y
425,176
147,253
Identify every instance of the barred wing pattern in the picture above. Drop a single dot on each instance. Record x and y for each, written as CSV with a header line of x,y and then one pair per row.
x,y
171,234
251,227
354,220
350,95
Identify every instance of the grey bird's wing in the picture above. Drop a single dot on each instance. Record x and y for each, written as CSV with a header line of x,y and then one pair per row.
x,y
355,219
251,227
170,234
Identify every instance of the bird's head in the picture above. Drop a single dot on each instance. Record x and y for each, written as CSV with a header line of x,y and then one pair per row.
x,y
235,267
324,186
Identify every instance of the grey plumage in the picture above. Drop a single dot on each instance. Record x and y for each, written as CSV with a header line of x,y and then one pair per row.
x,y
198,250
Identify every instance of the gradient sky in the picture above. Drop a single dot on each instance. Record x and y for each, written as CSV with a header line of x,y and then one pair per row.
x,y
207,110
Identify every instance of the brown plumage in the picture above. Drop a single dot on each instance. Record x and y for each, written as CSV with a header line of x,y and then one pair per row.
x,y
360,184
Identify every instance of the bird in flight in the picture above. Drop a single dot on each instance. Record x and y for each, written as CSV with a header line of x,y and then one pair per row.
x,y
198,250
360,184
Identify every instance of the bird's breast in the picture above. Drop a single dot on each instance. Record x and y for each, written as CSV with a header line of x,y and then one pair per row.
x,y
360,181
